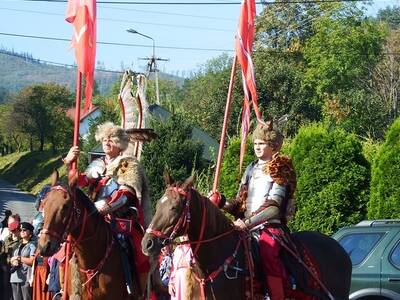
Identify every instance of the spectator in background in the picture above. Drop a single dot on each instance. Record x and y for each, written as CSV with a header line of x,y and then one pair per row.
x,y
4,232
182,285
7,248
41,265
165,271
21,264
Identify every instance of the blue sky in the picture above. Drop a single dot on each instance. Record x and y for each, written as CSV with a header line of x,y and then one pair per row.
x,y
188,26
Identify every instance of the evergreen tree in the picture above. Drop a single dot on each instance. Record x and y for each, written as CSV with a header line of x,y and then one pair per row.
x,y
173,151
332,179
385,190
230,174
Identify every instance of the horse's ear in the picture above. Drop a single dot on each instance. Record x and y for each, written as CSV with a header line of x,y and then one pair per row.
x,y
188,183
168,178
54,177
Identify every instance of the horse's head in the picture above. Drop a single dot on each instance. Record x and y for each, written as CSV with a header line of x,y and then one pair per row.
x,y
58,209
170,219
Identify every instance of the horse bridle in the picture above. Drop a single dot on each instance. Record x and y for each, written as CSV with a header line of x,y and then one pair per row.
x,y
183,221
74,211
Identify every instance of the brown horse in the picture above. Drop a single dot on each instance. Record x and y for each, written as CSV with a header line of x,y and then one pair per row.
x,y
219,249
96,250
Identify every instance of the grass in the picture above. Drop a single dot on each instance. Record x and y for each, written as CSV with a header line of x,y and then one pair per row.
x,y
29,171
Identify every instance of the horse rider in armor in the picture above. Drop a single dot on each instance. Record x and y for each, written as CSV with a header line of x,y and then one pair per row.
x,y
118,187
265,199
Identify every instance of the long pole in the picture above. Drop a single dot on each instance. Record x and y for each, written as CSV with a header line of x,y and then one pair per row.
x,y
154,63
72,173
225,125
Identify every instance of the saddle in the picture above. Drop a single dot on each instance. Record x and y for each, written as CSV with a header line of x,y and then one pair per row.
x,y
300,284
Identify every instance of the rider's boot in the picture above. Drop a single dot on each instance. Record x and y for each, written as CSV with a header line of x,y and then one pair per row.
x,y
275,288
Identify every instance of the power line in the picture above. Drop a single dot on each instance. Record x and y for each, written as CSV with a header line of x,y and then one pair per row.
x,y
169,13
36,60
117,44
123,21
203,3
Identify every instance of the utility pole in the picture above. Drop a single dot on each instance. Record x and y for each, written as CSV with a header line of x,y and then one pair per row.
x,y
152,62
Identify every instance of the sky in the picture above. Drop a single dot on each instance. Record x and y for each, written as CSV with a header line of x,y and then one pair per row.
x,y
207,30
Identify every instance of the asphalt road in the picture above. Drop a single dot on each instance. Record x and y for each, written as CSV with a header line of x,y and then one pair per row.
x,y
18,202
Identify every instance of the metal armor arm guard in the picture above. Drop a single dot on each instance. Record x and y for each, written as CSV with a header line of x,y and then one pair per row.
x,y
118,199
269,213
270,210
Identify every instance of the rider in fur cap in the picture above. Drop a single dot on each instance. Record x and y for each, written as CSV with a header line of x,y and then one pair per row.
x,y
117,183
265,198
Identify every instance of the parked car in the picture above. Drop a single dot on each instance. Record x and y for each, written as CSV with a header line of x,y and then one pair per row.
x,y
374,250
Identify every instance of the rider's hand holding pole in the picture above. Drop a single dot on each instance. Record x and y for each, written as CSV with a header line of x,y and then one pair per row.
x,y
72,155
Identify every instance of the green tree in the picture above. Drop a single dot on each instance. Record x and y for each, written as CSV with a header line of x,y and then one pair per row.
x,y
343,49
390,15
385,191
356,111
39,109
386,78
332,179
204,97
173,151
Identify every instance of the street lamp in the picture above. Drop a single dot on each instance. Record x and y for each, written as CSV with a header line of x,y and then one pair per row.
x,y
153,60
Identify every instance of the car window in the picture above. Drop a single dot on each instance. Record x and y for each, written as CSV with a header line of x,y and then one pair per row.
x,y
395,256
359,245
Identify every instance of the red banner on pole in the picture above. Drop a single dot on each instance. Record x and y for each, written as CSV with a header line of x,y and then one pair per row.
x,y
244,50
82,15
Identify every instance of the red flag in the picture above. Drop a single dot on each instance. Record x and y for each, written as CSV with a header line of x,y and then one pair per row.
x,y
82,14
244,50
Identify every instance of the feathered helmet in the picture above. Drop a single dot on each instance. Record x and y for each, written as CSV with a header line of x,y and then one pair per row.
x,y
115,133
268,133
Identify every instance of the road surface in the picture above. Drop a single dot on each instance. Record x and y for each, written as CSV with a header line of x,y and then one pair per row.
x,y
17,201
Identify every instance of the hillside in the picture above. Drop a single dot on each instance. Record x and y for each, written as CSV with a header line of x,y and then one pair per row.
x,y
20,70
29,171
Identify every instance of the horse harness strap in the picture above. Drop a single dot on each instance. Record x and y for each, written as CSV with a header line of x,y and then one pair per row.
x,y
91,273
214,274
306,267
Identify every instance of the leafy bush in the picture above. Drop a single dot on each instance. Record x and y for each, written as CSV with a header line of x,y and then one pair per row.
x,y
385,191
332,179
230,174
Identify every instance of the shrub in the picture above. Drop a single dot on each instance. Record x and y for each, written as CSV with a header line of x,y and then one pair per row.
x,y
230,174
332,179
385,190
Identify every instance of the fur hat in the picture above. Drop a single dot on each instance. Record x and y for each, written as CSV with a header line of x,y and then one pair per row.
x,y
268,133
113,132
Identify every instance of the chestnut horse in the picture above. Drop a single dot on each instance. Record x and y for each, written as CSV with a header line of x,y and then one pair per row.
x,y
219,248
96,250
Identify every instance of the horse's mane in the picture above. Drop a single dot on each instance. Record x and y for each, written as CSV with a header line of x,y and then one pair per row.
x,y
216,220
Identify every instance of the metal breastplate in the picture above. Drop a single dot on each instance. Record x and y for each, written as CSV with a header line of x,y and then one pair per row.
x,y
258,188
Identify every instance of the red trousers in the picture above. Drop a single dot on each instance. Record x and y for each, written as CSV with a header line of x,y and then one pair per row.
x,y
141,261
269,251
